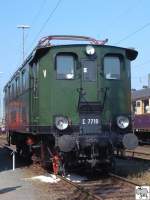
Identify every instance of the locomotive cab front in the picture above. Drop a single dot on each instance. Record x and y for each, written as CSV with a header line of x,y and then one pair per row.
x,y
91,99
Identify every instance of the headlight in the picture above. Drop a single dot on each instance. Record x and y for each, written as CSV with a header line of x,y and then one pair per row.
x,y
122,122
90,50
61,123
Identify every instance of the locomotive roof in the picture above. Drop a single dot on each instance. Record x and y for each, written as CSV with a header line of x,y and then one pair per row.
x,y
45,43
131,53
42,48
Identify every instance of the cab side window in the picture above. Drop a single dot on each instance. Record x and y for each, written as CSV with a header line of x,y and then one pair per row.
x,y
65,66
17,85
25,80
112,67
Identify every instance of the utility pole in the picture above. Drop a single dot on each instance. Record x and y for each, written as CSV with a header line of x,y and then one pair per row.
x,y
23,27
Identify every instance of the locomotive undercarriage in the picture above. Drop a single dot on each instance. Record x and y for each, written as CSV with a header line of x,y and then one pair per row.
x,y
87,152
68,151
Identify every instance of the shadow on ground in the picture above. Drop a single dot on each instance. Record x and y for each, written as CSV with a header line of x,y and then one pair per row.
x,y
131,166
6,162
8,189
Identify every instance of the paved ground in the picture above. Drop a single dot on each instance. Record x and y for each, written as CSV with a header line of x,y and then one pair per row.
x,y
13,186
12,183
24,183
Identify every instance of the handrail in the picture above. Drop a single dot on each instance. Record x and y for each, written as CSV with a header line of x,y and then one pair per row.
x,y
45,41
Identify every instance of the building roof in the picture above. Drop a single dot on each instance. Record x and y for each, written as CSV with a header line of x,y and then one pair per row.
x,y
140,94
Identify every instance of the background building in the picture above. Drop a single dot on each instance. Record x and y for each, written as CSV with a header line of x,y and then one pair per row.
x,y
141,99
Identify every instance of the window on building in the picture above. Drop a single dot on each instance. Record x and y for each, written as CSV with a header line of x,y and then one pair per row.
x,y
138,104
65,66
146,106
112,67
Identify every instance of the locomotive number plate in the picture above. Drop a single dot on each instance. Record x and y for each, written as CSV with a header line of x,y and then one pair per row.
x,y
90,121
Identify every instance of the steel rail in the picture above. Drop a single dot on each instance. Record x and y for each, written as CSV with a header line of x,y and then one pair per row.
x,y
80,188
138,155
112,175
124,179
137,152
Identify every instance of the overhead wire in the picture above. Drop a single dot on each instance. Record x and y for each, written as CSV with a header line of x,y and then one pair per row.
x,y
39,11
142,64
124,12
46,21
140,79
133,33
127,11
35,18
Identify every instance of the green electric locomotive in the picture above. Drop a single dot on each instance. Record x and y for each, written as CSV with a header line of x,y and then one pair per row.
x,y
71,100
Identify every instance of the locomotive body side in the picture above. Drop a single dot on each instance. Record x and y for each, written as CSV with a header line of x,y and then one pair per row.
x,y
74,104
16,101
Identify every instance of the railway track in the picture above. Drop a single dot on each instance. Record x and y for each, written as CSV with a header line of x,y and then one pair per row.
x,y
112,187
138,154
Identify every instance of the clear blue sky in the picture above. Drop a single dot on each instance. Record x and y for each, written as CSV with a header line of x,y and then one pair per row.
x,y
112,19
